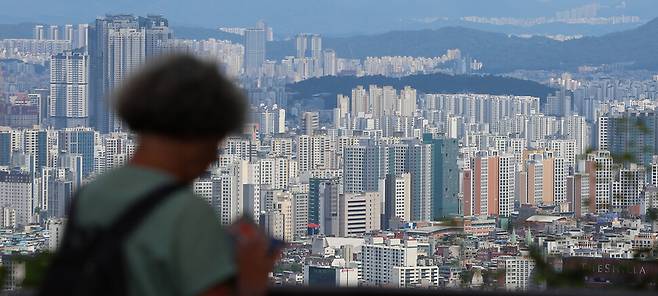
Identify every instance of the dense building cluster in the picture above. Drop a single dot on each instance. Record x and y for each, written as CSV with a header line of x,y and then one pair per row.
x,y
386,187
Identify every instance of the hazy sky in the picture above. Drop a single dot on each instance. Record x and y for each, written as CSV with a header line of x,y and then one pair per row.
x,y
326,16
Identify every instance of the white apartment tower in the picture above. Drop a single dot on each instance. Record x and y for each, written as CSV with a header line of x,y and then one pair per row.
x,y
39,33
278,221
255,40
518,272
126,52
393,262
69,89
599,167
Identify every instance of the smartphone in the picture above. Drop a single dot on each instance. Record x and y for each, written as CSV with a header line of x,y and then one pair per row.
x,y
276,245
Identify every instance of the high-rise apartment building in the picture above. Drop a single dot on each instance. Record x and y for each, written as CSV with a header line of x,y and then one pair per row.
x,y
407,102
301,44
627,189
419,165
117,47
300,211
518,272
82,41
227,191
17,200
397,200
278,221
5,148
559,104
35,143
492,187
578,193
126,51
79,141
363,167
157,34
68,33
316,47
445,179
360,101
320,192
53,32
39,33
310,122
329,65
393,262
599,168
255,47
632,136
69,89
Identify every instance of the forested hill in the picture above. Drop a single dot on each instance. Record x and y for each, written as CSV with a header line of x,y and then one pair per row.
x,y
326,88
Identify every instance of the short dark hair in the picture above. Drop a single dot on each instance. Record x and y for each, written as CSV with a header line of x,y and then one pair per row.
x,y
181,96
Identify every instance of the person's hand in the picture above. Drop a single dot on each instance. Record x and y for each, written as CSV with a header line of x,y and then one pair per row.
x,y
253,261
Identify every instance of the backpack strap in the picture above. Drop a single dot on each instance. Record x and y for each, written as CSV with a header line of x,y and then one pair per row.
x,y
133,216
87,253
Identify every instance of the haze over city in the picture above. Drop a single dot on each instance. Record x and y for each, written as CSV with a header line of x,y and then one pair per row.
x,y
339,17
489,145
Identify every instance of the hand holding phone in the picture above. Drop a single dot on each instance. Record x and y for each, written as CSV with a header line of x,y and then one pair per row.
x,y
255,256
245,227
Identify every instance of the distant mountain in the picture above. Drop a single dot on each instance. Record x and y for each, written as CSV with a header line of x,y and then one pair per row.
x,y
501,52
540,29
322,91
198,33
328,17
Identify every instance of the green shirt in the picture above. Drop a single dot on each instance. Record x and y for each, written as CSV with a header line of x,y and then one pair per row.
x,y
179,249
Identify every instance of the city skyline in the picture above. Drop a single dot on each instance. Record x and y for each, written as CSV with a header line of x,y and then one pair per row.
x,y
461,169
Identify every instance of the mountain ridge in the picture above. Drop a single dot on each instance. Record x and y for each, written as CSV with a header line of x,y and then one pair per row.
x,y
498,51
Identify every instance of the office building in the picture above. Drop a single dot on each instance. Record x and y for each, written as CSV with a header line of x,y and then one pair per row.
x,y
359,214
330,276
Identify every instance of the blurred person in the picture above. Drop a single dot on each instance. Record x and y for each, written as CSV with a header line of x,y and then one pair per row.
x,y
180,108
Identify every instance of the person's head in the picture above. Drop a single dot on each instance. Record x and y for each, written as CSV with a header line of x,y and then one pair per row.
x,y
182,106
